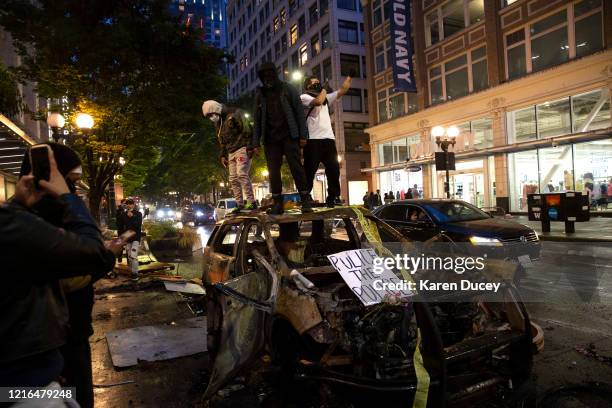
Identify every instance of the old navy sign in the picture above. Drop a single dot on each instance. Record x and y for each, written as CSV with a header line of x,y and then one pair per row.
x,y
403,73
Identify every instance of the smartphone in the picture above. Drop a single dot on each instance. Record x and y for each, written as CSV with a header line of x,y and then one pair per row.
x,y
39,159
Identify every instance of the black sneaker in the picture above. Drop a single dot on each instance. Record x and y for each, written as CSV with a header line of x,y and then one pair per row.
x,y
277,207
306,202
330,202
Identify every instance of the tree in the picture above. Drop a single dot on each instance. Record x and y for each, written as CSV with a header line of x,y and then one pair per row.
x,y
10,98
139,72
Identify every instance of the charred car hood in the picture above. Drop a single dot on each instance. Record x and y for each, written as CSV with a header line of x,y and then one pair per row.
x,y
489,227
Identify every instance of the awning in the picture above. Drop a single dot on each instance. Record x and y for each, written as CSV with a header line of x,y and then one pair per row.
x,y
13,145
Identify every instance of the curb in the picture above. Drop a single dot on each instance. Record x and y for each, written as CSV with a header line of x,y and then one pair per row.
x,y
560,238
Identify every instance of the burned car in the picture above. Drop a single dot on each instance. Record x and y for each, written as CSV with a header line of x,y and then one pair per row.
x,y
270,286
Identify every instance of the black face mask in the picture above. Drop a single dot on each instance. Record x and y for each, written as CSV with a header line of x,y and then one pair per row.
x,y
315,87
269,79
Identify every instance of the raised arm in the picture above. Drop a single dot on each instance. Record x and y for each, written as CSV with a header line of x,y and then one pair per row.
x,y
346,85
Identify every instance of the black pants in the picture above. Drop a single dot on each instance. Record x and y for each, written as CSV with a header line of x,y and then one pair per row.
x,y
290,148
323,151
33,371
77,371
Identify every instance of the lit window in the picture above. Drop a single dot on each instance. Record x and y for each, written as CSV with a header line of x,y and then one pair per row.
x,y
303,54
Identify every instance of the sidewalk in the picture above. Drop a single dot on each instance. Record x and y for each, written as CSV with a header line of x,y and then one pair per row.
x,y
598,229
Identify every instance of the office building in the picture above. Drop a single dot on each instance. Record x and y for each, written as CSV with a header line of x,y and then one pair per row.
x,y
206,15
315,37
527,82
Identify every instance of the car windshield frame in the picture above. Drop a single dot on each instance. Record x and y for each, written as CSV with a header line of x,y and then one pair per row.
x,y
435,210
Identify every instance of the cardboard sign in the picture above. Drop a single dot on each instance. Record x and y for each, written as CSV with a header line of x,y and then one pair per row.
x,y
357,269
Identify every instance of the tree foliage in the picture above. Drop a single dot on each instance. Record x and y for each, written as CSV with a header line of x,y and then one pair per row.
x,y
131,64
10,99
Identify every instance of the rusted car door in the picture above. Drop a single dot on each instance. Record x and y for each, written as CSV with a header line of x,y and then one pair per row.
x,y
244,303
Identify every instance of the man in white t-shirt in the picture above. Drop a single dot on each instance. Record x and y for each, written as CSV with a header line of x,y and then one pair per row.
x,y
321,147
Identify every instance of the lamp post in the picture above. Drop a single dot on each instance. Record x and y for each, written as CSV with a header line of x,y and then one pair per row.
x,y
445,137
56,122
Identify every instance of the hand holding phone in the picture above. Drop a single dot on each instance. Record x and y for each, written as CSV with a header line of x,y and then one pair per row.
x,y
53,184
39,161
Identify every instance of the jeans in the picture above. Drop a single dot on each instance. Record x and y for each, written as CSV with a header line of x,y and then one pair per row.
x,y
132,256
239,166
290,148
323,151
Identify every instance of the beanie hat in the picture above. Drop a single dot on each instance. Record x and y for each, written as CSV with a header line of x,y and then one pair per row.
x,y
211,106
67,160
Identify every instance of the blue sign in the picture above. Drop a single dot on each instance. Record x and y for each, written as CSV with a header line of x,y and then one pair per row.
x,y
401,47
553,213
413,168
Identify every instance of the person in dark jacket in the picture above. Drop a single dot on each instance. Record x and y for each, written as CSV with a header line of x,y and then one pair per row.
x,y
120,226
280,124
132,221
235,135
33,313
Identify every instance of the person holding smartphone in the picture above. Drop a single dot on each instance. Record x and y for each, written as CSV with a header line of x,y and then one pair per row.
x,y
36,254
132,221
321,147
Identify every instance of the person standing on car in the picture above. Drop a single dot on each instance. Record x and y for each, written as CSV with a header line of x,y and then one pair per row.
x,y
280,124
235,134
132,221
321,147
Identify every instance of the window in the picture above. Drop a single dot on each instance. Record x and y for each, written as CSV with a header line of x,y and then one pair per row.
x,y
391,106
385,154
313,14
356,140
285,70
315,45
325,37
480,75
451,80
226,239
350,65
323,7
327,70
293,34
302,25
283,17
284,43
396,106
303,54
379,58
347,4
361,34
376,13
277,50
366,108
276,24
364,69
295,60
400,150
574,31
452,17
383,113
549,41
588,27
482,130
351,101
515,54
576,114
347,31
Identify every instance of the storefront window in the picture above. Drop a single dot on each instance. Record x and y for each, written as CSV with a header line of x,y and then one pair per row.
x,y
399,181
556,172
385,154
593,170
554,118
522,125
400,151
523,178
593,107
482,130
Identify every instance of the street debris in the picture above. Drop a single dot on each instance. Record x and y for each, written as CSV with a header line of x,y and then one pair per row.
x,y
154,343
589,351
184,287
114,384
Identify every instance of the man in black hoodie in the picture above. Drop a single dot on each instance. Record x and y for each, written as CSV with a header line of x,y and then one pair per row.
x,y
36,254
280,123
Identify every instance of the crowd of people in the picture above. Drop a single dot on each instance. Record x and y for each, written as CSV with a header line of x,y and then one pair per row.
x,y
288,124
372,199
52,252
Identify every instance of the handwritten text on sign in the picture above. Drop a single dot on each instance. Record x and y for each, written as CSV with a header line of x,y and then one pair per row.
x,y
356,268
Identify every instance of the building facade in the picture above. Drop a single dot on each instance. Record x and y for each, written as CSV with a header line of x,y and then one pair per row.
x,y
17,131
313,37
207,15
527,82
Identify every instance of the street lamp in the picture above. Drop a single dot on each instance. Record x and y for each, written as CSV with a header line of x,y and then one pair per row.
x,y
445,137
297,76
84,121
265,173
221,184
56,122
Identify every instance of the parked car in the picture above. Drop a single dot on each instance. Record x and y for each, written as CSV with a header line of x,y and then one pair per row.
x,y
224,206
198,214
270,286
470,228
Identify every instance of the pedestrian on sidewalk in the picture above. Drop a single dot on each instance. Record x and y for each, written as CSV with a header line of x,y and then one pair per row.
x,y
119,221
33,312
132,221
281,126
321,146
235,135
